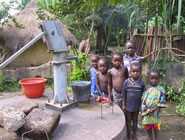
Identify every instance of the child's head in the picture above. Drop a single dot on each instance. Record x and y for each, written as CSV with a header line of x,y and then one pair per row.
x,y
94,61
102,65
154,77
117,60
130,46
135,70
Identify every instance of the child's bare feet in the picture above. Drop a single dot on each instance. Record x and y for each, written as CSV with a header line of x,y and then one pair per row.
x,y
128,137
134,137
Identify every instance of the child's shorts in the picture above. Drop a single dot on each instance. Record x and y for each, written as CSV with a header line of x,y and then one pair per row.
x,y
152,126
117,97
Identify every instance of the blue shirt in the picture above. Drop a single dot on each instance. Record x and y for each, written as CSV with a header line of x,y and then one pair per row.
x,y
132,93
93,81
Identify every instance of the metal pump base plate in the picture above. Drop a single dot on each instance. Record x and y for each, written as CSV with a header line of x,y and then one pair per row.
x,y
58,107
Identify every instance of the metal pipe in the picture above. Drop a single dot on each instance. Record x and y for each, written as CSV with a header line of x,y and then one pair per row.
x,y
60,78
19,52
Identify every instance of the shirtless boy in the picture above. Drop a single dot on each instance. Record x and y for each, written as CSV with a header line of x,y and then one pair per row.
x,y
102,77
117,75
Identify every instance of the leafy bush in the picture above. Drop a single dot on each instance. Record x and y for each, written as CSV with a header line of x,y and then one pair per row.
x,y
180,108
177,97
171,94
9,85
8,8
79,68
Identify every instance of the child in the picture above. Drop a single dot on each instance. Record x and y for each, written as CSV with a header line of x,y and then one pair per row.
x,y
132,91
153,99
117,75
93,70
102,77
130,55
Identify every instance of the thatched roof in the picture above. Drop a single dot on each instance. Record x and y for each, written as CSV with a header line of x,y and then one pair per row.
x,y
26,26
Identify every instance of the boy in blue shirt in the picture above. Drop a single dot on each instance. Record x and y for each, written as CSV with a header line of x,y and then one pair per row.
x,y
132,92
93,72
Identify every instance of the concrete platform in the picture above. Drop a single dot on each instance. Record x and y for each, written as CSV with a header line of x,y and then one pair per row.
x,y
21,100
84,122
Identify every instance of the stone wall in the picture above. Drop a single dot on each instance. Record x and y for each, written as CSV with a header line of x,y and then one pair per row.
x,y
44,70
175,74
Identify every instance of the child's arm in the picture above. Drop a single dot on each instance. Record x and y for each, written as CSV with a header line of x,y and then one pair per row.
x,y
110,84
142,58
97,82
143,88
124,93
143,97
93,81
98,85
126,73
143,104
162,98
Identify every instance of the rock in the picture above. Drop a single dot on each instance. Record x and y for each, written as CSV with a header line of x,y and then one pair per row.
x,y
5,135
11,119
1,118
20,103
41,121
26,106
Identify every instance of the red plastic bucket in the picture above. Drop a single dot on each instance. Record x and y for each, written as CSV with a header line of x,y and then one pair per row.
x,y
33,87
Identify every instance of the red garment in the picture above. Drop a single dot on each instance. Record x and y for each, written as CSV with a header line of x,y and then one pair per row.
x,y
152,126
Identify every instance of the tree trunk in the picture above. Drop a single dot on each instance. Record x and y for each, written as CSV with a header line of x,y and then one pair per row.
x,y
100,39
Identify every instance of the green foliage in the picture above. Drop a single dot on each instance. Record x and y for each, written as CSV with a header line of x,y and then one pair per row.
x,y
171,93
115,16
69,12
181,28
151,22
24,2
3,11
48,4
161,64
178,97
179,13
79,68
114,22
9,85
9,7
180,108
135,15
